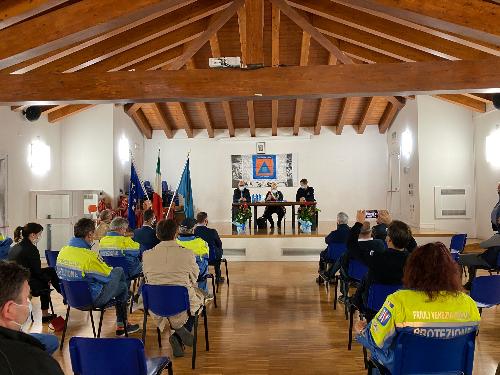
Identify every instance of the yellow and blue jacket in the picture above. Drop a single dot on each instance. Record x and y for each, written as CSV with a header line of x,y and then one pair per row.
x,y
5,243
199,248
77,261
411,311
114,244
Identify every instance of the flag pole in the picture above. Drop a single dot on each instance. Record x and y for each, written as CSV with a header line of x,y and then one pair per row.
x,y
178,184
132,161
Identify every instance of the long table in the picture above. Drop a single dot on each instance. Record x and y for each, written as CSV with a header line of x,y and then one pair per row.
x,y
255,205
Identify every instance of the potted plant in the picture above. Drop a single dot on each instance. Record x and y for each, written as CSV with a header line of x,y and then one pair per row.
x,y
306,216
242,216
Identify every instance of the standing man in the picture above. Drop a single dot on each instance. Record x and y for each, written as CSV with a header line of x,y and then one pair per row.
x,y
305,193
146,235
274,195
211,237
495,214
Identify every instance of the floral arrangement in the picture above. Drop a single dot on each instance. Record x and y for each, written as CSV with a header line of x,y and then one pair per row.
x,y
308,213
243,214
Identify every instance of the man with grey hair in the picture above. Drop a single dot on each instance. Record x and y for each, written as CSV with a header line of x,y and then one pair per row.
x,y
105,217
339,235
116,243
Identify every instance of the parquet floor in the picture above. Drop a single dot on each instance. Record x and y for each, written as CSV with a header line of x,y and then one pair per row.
x,y
273,319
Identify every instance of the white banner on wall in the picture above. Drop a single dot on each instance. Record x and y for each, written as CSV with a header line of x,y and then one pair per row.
x,y
262,170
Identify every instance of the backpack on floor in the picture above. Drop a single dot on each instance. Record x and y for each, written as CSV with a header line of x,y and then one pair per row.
x,y
261,223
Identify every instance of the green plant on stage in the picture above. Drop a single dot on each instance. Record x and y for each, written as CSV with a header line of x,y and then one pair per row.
x,y
243,214
308,213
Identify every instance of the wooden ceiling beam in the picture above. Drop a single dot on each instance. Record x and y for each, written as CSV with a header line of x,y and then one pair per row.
x,y
65,111
202,107
332,60
15,11
274,117
388,117
474,19
159,60
184,120
73,23
387,29
142,123
162,117
254,10
307,82
309,28
251,117
215,47
275,61
136,36
464,101
363,122
216,22
304,60
346,105
242,29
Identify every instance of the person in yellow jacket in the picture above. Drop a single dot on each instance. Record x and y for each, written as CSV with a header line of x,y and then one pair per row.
x,y
432,305
198,246
77,261
115,243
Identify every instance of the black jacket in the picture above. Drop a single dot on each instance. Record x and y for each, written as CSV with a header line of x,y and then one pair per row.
x,y
308,194
211,237
238,194
340,235
22,354
146,237
384,267
26,254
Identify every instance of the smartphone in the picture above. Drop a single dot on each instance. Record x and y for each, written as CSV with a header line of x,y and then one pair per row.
x,y
371,214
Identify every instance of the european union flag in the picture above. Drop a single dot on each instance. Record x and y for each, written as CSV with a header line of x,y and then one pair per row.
x,y
135,193
186,192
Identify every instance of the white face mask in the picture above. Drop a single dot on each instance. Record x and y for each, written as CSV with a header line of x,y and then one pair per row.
x,y
30,309
242,188
303,186
274,191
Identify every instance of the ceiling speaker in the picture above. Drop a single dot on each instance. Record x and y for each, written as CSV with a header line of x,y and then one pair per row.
x,y
32,113
496,101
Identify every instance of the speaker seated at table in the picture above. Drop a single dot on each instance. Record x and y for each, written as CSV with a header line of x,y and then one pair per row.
x,y
240,195
274,195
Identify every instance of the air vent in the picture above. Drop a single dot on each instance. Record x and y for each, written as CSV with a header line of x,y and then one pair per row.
x,y
235,252
452,202
292,252
452,191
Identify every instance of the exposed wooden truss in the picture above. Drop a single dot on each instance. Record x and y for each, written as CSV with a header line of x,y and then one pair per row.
x,y
144,35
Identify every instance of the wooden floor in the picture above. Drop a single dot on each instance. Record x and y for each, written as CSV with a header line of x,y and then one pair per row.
x,y
273,319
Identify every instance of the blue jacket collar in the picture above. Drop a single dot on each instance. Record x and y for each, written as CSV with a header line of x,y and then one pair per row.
x,y
113,234
79,242
186,237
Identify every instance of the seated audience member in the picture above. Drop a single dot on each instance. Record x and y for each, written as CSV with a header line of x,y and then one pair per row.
x,y
305,193
115,243
198,246
495,213
339,235
379,231
486,260
365,242
105,218
274,195
384,267
20,353
146,235
26,254
77,262
5,247
211,237
431,301
170,264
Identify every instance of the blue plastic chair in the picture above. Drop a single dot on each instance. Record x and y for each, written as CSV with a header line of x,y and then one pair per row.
x,y
212,261
51,257
91,356
485,291
458,242
334,252
77,295
377,294
355,272
416,355
170,300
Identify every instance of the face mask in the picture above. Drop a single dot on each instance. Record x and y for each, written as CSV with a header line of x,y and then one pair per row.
x,y
303,186
36,240
30,309
242,188
274,191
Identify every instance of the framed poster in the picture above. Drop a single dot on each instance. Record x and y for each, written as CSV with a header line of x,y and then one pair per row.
x,y
261,148
262,170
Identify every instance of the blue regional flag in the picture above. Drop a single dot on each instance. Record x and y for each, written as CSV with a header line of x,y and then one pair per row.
x,y
135,193
186,192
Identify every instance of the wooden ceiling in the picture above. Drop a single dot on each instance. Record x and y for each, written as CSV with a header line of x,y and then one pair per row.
x,y
88,38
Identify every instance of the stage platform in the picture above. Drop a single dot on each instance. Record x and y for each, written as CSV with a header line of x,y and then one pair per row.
x,y
287,245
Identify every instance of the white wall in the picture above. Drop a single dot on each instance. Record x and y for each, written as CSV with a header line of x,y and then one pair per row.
x,y
348,172
446,158
15,136
487,176
404,205
87,150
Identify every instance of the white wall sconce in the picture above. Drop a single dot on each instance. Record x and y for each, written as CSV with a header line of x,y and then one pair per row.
x,y
124,149
492,149
406,144
39,157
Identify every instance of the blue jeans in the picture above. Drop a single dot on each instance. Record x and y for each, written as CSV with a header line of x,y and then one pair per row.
x,y
115,288
50,342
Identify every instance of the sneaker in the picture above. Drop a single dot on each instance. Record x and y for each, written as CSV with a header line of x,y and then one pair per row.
x,y
48,318
220,280
319,280
342,299
323,275
177,347
131,328
185,336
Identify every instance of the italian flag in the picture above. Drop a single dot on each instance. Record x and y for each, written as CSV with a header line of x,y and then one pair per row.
x,y
157,204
